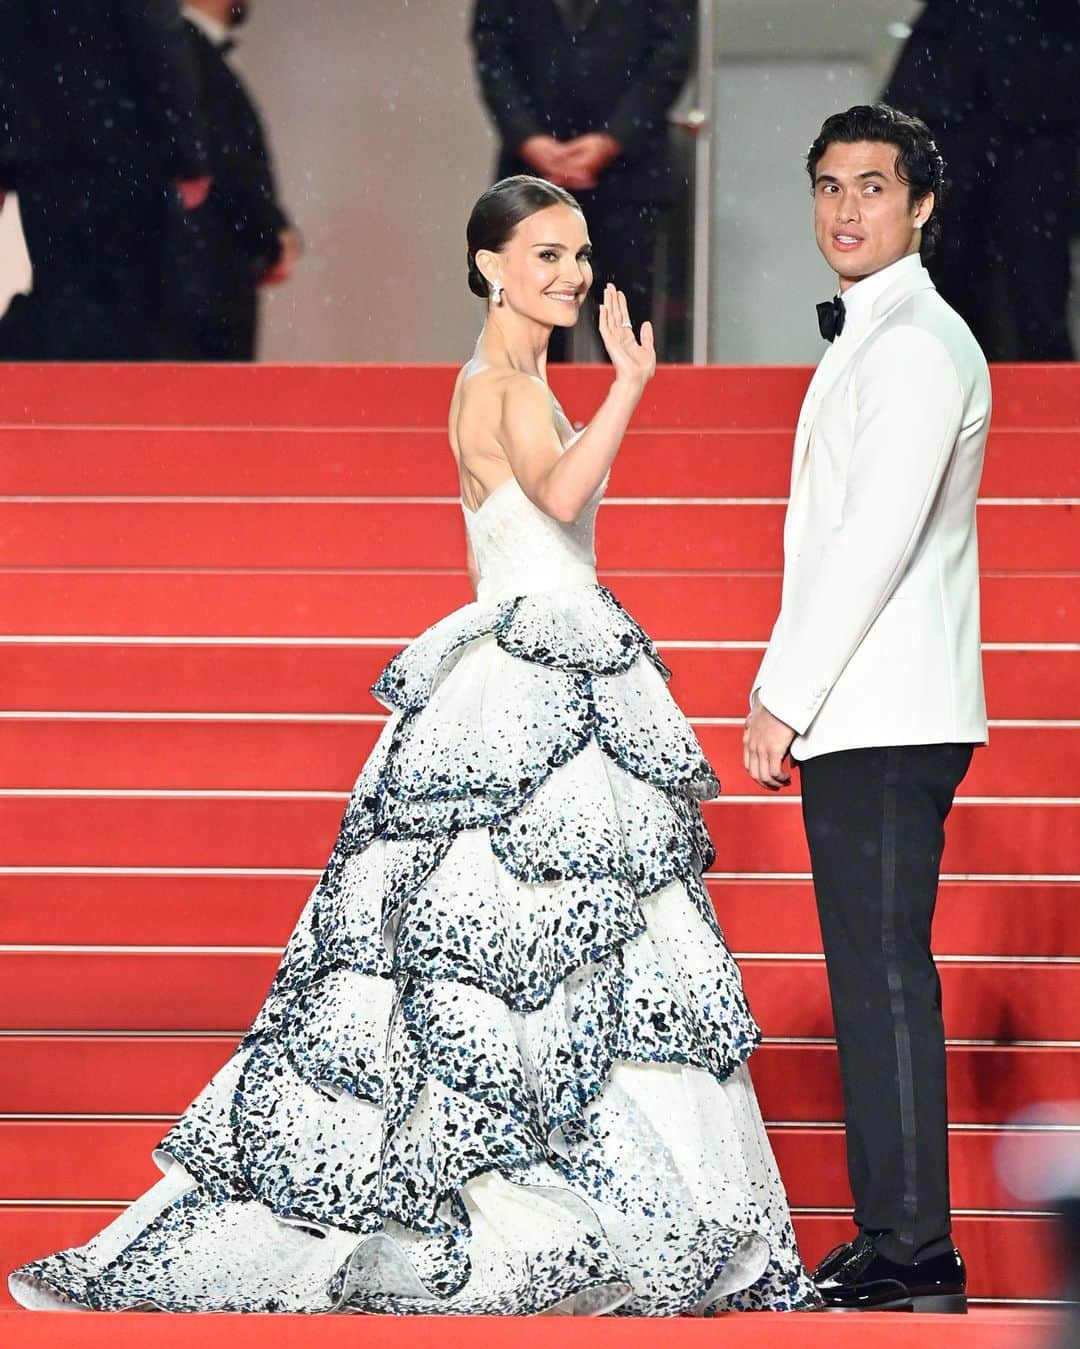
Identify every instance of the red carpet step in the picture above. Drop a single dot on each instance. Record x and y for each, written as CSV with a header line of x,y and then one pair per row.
x,y
126,1074
974,918
757,834
394,604
1031,397
325,678
253,461
217,755
204,990
299,535
45,1161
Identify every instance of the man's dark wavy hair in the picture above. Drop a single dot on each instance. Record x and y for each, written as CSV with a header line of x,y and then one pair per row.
x,y
918,160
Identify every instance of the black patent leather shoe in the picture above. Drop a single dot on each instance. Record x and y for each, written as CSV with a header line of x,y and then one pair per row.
x,y
832,1262
864,1280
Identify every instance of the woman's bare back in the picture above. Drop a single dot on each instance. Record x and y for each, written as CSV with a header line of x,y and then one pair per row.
x,y
475,425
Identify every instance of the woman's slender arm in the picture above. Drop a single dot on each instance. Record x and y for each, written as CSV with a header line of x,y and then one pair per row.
x,y
562,482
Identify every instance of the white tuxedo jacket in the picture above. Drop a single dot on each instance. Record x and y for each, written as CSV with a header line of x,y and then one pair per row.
x,y
877,642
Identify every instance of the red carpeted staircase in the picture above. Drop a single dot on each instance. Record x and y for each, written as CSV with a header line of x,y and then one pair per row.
x,y
202,570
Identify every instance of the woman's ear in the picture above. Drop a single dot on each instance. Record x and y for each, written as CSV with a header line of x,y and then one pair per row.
x,y
489,264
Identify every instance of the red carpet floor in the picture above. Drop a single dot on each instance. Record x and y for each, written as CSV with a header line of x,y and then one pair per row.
x,y
979,1330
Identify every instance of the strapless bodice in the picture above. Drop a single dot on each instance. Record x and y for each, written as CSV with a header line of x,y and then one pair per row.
x,y
521,551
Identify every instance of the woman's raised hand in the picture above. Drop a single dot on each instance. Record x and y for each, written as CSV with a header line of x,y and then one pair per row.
x,y
631,359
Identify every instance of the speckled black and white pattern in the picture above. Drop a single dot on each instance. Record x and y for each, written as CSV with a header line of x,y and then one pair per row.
x,y
501,1068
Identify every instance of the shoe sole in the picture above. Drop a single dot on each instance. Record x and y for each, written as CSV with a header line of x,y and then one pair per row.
x,y
954,1304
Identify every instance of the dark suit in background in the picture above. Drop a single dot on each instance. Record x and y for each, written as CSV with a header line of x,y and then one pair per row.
x,y
998,82
564,68
219,253
98,113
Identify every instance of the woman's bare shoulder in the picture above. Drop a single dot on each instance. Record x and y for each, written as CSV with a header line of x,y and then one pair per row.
x,y
487,396
490,379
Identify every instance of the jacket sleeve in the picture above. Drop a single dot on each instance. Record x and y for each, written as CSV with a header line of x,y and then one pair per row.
x,y
908,409
768,658
244,181
155,30
641,109
493,42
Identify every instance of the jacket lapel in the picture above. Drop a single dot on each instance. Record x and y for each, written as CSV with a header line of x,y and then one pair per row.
x,y
827,373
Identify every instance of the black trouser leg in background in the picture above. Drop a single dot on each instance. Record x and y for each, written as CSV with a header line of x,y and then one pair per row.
x,y
875,823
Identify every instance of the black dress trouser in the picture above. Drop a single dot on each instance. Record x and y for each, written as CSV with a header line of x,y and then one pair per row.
x,y
875,823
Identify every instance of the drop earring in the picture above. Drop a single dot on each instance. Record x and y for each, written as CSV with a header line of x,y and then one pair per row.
x,y
496,292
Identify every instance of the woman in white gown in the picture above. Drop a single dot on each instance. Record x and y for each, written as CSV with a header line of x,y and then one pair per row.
x,y
501,1069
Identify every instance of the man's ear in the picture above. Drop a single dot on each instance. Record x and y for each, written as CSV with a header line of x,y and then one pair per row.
x,y
925,210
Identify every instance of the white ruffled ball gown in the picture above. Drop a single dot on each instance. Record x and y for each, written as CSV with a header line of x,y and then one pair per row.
x,y
502,1066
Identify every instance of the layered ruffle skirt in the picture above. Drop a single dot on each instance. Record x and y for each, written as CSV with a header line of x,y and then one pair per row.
x,y
501,1069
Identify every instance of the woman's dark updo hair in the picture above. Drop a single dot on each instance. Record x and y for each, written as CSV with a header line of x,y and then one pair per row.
x,y
918,161
500,211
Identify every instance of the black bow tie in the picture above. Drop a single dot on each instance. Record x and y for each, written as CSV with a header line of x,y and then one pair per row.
x,y
830,318
226,45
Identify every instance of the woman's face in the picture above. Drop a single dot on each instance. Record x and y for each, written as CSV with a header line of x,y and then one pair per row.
x,y
545,267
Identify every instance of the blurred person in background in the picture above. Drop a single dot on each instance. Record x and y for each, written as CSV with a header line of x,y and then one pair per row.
x,y
997,81
579,91
241,239
99,128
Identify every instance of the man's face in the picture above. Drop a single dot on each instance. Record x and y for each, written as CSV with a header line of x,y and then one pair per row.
x,y
862,217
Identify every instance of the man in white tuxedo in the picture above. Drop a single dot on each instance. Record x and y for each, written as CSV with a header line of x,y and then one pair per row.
x,y
872,680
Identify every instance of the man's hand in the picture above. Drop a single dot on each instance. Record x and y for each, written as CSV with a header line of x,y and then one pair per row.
x,y
547,156
193,192
575,164
292,246
766,742
588,156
